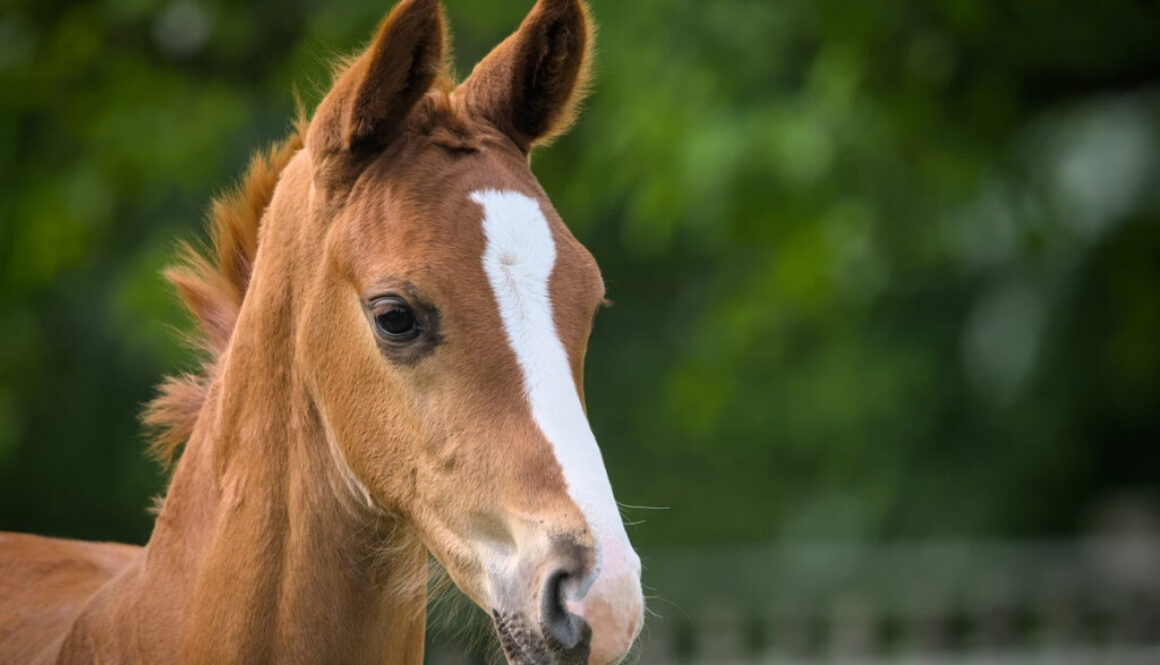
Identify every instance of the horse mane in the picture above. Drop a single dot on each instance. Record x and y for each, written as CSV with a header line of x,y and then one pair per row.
x,y
211,283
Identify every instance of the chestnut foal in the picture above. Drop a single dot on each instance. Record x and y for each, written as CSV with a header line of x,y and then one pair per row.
x,y
397,320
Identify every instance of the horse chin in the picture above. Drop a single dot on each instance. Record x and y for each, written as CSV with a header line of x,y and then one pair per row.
x,y
526,644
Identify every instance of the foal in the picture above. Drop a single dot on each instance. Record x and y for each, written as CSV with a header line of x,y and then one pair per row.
x,y
397,319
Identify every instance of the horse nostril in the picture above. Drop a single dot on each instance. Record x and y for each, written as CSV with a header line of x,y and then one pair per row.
x,y
563,627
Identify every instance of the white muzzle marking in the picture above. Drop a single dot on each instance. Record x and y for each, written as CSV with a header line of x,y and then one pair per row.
x,y
518,261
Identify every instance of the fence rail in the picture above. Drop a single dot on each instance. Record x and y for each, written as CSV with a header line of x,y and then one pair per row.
x,y
1092,601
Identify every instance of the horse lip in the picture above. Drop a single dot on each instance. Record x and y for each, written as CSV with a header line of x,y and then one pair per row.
x,y
524,645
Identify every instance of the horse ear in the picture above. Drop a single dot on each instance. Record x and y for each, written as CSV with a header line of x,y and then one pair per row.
x,y
530,85
366,107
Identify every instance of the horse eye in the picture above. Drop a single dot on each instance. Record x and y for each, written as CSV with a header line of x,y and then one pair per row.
x,y
395,320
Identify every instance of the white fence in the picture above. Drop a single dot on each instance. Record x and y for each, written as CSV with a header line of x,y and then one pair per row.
x,y
1082,602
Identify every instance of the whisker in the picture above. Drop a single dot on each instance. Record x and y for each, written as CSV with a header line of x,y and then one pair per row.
x,y
629,506
669,602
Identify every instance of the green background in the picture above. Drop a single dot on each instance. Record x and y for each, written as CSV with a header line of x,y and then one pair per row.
x,y
882,270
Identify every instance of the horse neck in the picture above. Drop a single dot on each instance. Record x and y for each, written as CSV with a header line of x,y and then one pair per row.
x,y
277,560
262,552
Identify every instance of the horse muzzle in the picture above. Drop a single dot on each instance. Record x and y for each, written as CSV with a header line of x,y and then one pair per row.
x,y
576,607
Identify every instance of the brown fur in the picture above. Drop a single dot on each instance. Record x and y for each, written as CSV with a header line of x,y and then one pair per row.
x,y
320,469
212,288
532,85
68,571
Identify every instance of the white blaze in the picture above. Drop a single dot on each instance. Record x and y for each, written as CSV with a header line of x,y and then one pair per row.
x,y
518,260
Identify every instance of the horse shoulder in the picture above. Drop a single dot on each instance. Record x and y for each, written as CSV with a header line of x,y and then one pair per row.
x,y
45,583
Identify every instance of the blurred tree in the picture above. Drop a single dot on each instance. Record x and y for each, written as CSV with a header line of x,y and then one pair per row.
x,y
881,269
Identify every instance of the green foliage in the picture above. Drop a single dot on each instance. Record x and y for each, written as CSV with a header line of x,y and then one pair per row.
x,y
880,269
